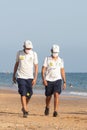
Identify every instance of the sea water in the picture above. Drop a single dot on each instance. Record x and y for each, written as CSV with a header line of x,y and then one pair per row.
x,y
76,84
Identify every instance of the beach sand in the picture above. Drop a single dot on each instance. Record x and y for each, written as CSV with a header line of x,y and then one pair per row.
x,y
72,113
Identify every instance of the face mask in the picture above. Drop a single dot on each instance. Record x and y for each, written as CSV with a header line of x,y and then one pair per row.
x,y
27,51
55,54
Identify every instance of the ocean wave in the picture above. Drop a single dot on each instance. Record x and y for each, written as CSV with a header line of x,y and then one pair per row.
x,y
78,93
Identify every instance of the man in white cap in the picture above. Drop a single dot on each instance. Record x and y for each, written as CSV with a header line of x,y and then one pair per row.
x,y
26,62
52,74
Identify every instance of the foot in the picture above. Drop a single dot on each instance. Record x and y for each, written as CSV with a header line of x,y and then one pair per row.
x,y
55,114
25,113
46,111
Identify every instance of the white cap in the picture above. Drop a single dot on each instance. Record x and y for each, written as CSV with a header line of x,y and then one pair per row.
x,y
55,48
28,44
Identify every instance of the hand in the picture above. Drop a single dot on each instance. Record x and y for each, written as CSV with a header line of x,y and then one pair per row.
x,y
64,86
14,79
45,82
33,82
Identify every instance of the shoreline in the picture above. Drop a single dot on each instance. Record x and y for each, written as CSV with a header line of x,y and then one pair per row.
x,y
41,92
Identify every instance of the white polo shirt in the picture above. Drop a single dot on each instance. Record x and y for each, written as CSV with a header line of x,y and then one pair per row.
x,y
53,71
26,63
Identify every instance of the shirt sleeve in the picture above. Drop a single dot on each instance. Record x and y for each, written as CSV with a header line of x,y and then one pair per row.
x,y
62,63
35,58
45,62
17,56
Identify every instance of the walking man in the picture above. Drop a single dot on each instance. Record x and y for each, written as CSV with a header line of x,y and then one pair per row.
x,y
53,74
26,63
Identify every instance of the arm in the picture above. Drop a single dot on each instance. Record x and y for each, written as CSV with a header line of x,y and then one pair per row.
x,y
35,74
15,70
63,77
43,75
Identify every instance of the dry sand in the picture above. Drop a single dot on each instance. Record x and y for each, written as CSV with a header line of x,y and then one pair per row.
x,y
72,113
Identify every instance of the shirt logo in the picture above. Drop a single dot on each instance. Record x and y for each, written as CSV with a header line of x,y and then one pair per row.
x,y
51,64
21,57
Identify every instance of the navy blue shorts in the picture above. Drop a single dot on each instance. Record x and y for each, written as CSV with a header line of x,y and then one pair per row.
x,y
25,87
53,87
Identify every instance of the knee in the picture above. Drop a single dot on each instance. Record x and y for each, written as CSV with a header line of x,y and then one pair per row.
x,y
56,95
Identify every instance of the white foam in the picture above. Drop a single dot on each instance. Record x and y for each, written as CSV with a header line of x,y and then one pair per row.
x,y
79,93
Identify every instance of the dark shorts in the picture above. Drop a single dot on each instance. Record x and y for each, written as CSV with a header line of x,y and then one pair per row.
x,y
25,87
53,87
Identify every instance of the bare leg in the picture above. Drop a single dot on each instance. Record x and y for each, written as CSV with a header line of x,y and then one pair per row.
x,y
48,99
27,101
24,102
56,101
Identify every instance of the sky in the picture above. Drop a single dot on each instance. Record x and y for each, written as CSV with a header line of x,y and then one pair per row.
x,y
47,22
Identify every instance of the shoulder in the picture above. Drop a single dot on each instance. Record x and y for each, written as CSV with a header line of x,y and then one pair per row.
x,y
48,58
20,52
60,59
35,53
